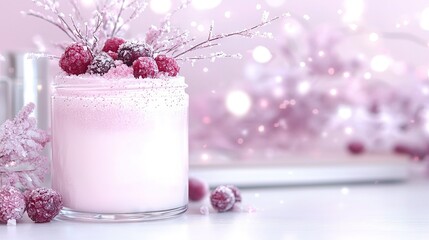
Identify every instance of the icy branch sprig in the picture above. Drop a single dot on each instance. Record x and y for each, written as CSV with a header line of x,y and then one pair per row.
x,y
165,38
139,7
90,42
71,28
212,39
76,10
118,13
108,19
182,6
212,57
58,21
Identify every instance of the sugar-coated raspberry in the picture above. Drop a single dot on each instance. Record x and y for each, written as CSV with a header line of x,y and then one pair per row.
x,y
101,64
131,51
75,59
113,55
120,71
197,189
236,191
26,194
145,67
12,204
167,65
112,44
222,198
43,205
356,147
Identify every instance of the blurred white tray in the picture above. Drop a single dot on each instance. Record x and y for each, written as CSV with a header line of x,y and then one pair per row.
x,y
302,170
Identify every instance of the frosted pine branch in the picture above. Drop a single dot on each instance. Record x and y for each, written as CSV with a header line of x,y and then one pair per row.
x,y
21,144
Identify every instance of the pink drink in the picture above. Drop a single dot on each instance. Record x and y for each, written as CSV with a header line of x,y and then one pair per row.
x,y
120,147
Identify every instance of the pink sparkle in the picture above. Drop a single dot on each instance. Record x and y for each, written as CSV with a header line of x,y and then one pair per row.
x,y
263,103
207,120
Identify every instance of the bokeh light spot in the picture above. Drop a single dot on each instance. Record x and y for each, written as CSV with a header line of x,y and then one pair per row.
x,y
424,19
380,63
261,54
275,3
238,103
205,4
160,6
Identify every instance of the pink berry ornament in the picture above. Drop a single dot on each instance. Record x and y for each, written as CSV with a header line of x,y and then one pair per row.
x,y
356,148
222,198
12,204
197,189
75,59
43,205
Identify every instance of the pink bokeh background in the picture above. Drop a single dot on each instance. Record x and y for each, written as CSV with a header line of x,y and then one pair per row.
x,y
19,32
205,78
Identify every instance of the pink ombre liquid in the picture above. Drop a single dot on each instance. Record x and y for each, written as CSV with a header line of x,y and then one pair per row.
x,y
120,146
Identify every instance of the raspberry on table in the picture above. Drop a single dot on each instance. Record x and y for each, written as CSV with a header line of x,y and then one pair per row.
x,y
222,198
167,65
197,189
236,191
412,152
75,59
356,147
131,51
12,204
113,44
43,205
101,64
145,67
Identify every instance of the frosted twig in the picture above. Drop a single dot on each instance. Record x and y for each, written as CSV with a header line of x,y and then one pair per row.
x,y
139,7
182,6
121,9
107,20
41,55
244,33
211,30
211,56
38,15
76,10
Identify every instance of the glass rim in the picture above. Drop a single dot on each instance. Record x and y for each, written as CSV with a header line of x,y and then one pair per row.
x,y
89,82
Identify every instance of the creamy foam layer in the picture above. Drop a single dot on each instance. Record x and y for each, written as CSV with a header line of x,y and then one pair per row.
x,y
101,101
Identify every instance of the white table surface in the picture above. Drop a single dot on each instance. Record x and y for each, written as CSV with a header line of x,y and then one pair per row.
x,y
377,211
